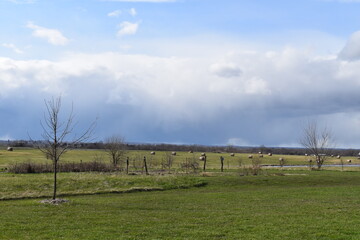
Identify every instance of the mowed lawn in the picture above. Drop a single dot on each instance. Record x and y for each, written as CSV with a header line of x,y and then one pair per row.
x,y
279,205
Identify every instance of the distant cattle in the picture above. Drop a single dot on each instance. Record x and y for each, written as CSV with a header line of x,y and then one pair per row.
x,y
250,156
152,153
10,149
173,153
232,154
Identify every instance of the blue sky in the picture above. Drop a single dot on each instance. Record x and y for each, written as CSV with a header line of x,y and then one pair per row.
x,y
183,71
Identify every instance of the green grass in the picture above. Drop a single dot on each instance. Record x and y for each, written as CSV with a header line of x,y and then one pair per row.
x,y
279,204
17,186
300,205
20,155
25,155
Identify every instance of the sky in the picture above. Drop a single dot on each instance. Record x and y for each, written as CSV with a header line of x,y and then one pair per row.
x,y
230,72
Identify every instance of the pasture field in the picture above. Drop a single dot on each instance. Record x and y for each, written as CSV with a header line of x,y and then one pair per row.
x,y
154,161
289,203
294,205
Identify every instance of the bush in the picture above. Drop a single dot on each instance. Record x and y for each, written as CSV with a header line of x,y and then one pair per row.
x,y
254,169
190,165
29,167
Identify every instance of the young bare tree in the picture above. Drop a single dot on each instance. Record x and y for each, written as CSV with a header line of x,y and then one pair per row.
x,y
167,162
115,146
319,142
57,135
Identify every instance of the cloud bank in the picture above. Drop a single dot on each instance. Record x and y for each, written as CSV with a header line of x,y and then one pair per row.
x,y
238,97
351,51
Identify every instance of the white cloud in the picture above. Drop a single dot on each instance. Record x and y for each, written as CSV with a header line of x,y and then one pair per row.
x,y
12,47
23,1
127,28
53,36
226,70
289,81
132,12
115,13
342,1
246,95
256,86
237,142
149,1
351,51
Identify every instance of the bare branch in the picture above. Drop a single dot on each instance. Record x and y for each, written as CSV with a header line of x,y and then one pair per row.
x,y
56,132
116,148
318,142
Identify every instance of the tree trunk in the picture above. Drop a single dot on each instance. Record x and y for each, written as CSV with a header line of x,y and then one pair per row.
x,y
319,162
55,179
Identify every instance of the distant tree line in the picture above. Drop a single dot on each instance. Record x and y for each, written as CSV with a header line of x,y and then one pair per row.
x,y
190,147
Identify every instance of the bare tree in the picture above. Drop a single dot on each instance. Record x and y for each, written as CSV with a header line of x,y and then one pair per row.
x,y
319,142
57,135
167,162
116,148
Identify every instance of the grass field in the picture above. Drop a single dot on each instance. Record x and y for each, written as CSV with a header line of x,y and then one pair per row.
x,y
301,205
18,186
277,204
213,162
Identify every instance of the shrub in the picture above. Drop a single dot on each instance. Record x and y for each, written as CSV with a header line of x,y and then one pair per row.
x,y
29,167
189,165
254,169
